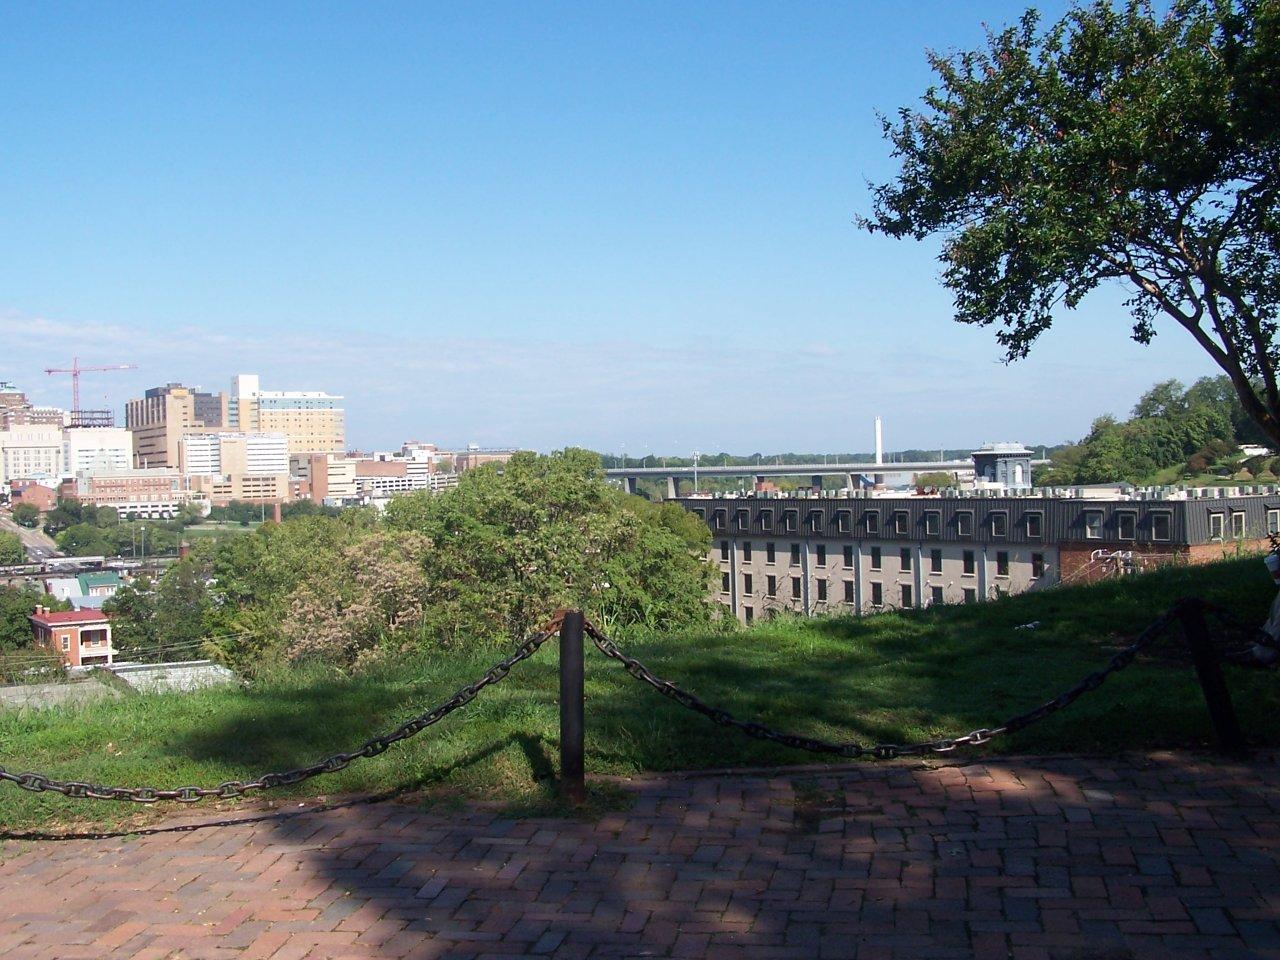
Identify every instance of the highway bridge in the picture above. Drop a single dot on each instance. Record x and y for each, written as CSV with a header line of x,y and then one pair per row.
x,y
854,474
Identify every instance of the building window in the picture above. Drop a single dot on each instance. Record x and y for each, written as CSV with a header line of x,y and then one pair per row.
x,y
789,520
1126,525
724,549
770,552
1217,522
724,583
771,585
876,555
970,595
747,583
795,554
718,519
871,521
904,555
748,615
821,550
848,591
742,519
1162,526
901,519
844,521
969,563
1002,563
935,595
66,644
964,523
822,590
1273,521
1000,524
1093,524
795,588
935,561
932,523
1237,524
848,553
746,550
1037,566
877,595
700,513
1035,525
766,519
813,522
906,594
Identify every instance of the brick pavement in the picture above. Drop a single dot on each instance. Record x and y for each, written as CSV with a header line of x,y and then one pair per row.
x,y
1164,856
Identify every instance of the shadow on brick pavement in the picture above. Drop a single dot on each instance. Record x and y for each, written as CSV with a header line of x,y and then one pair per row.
x,y
1167,855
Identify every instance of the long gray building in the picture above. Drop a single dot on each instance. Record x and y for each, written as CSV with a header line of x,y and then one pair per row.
x,y
868,553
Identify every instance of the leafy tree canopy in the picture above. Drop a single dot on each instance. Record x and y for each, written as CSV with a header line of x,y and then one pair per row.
x,y
1171,425
11,550
26,515
1117,145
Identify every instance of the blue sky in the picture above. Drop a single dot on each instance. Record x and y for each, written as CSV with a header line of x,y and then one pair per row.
x,y
622,226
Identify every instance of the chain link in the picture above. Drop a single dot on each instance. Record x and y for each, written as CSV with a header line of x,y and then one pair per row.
x,y
231,789
884,751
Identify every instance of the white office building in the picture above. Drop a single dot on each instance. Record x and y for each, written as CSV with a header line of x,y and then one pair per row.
x,y
222,454
30,450
96,450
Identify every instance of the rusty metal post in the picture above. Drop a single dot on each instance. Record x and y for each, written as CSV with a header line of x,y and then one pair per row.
x,y
1209,671
572,720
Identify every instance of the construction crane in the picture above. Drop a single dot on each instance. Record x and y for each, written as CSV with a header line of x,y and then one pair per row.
x,y
75,370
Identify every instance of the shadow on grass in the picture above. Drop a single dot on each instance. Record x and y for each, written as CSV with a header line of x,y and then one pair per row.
x,y
895,678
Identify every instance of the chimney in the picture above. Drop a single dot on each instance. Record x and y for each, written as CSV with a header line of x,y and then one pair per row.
x,y
40,610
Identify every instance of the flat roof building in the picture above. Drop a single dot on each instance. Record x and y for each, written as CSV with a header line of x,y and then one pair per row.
x,y
863,554
314,421
162,416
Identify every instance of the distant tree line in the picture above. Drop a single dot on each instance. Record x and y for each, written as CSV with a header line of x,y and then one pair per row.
x,y
1171,426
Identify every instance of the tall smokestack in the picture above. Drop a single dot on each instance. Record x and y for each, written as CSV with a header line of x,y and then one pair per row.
x,y
879,441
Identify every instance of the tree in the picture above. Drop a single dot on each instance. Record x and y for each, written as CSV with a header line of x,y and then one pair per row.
x,y
16,605
11,550
84,540
506,547
935,479
1117,146
26,515
1166,399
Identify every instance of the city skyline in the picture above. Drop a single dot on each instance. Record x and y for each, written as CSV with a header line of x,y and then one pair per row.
x,y
539,228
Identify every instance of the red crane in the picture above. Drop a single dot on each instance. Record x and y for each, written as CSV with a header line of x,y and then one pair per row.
x,y
75,370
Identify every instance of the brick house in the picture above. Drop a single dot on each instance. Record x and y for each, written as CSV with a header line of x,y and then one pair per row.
x,y
80,637
42,497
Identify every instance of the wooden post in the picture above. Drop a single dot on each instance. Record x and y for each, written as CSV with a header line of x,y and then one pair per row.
x,y
572,721
1209,671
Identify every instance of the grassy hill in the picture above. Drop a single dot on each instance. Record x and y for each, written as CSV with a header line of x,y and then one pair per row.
x,y
895,677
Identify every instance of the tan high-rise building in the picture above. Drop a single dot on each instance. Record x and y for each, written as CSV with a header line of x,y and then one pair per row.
x,y
314,422
161,417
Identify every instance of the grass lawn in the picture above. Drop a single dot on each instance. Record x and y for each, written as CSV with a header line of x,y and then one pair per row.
x,y
893,677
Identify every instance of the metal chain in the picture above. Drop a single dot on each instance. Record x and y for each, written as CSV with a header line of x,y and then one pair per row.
x,y
884,751
230,789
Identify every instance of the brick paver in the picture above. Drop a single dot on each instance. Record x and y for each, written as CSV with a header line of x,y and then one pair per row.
x,y
1163,856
